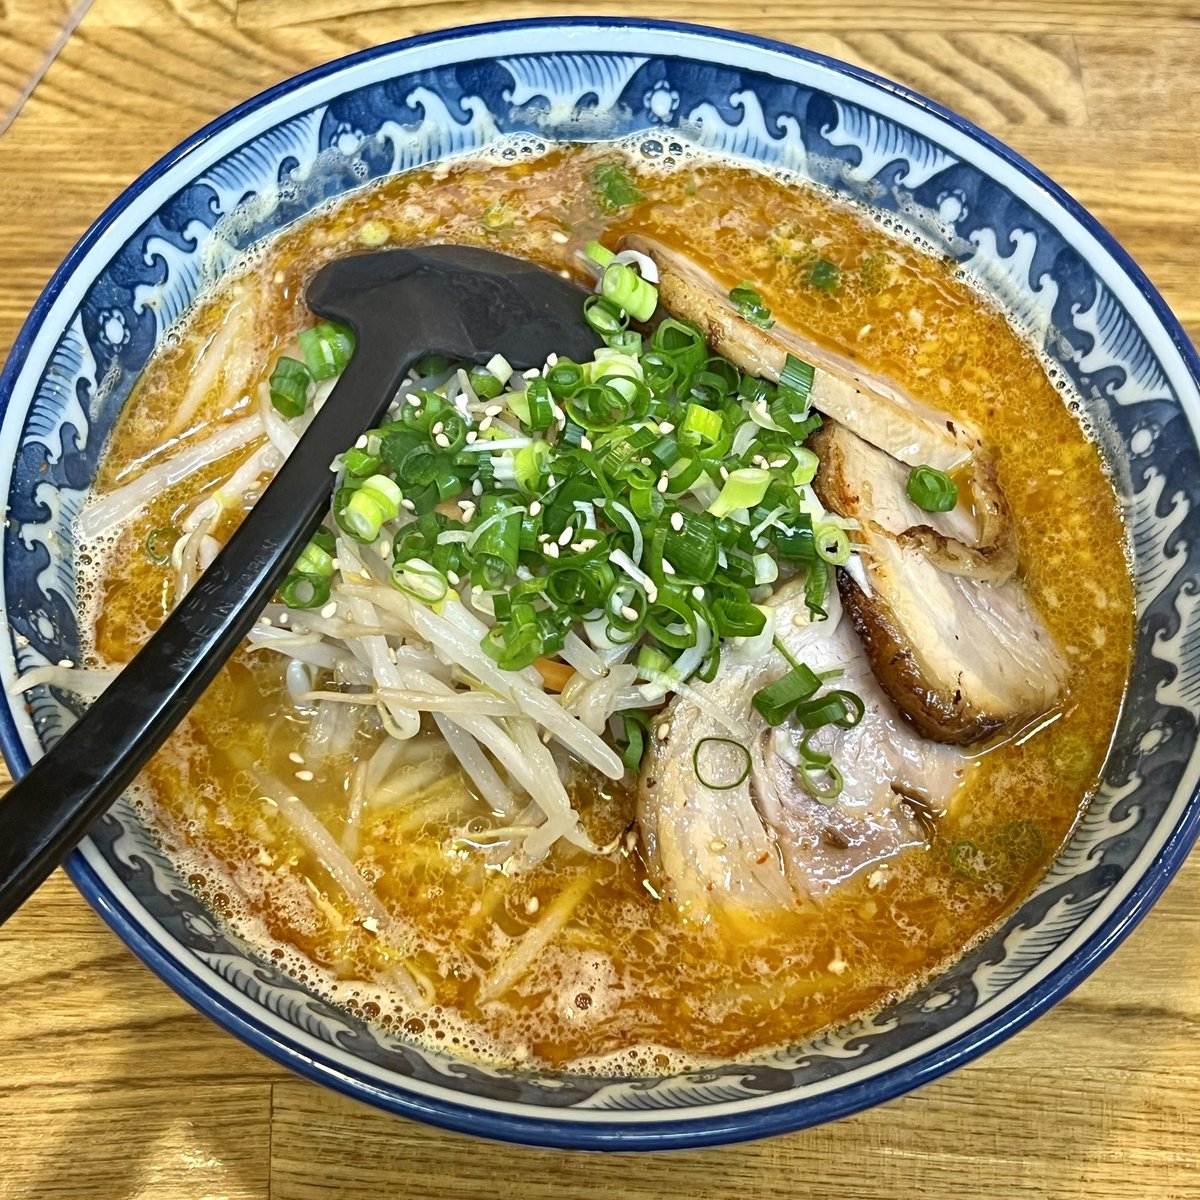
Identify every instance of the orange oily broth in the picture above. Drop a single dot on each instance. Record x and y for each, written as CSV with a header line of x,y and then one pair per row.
x,y
625,977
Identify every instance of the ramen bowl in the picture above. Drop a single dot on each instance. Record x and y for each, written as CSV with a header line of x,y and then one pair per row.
x,y
1099,323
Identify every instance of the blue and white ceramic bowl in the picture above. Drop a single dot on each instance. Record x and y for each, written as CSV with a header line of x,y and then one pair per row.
x,y
415,102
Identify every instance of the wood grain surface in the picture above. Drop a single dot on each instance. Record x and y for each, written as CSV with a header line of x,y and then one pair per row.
x,y
111,1087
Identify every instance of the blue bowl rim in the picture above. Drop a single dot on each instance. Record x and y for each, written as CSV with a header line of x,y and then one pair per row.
x,y
705,1130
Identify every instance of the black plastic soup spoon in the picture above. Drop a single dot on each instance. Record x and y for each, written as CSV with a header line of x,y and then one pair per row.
x,y
458,301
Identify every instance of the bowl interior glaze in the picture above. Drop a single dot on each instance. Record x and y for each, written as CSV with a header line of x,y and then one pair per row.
x,y
1102,327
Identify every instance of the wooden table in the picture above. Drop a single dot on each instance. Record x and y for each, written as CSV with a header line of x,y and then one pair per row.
x,y
111,1087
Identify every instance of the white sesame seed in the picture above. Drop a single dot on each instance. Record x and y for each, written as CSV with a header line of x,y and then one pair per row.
x,y
543,537
662,483
651,590
532,373
330,610
583,545
453,578
566,535
534,508
561,239
664,727
493,410
698,592
551,360
476,488
780,462
677,521
65,662
724,473
551,550
438,427
337,564
630,614
283,618
667,568
263,620
467,508
304,776
485,424
385,548
361,444
585,443
442,440
471,436
559,415
415,401
551,481
298,759
666,427
799,621
406,503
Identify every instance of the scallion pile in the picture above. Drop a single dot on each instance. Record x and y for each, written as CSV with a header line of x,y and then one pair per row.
x,y
646,501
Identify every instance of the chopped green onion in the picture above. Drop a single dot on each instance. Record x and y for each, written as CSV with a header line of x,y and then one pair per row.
x,y
497,546
823,275
797,375
806,464
327,348
816,588
744,488
300,590
931,489
626,341
692,548
317,557
360,464
606,318
613,186
420,580
626,290
700,426
832,543
776,701
749,304
709,782
598,254
736,618
565,378
812,774
483,383
795,540
637,731
289,386
159,544
377,500
840,707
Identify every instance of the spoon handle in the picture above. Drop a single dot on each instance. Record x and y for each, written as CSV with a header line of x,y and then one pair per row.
x,y
53,805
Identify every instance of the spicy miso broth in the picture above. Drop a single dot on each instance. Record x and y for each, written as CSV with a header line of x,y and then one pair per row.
x,y
459,928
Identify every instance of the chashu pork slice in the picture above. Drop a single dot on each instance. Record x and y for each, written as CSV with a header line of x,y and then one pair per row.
x,y
964,659
980,541
766,844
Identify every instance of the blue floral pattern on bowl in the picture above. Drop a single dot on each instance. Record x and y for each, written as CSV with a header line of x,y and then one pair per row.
x,y
1109,338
